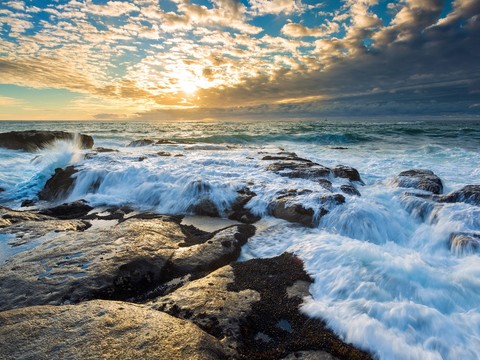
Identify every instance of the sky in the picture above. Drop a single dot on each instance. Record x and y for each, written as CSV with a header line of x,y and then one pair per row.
x,y
228,59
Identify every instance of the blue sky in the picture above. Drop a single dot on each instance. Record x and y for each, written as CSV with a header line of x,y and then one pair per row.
x,y
88,59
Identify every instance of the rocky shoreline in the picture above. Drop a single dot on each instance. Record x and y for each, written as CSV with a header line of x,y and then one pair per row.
x,y
83,282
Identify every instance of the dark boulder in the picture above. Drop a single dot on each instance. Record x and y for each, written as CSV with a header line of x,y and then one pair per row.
x,y
469,194
73,210
420,179
206,207
239,212
164,153
347,172
350,190
32,140
59,185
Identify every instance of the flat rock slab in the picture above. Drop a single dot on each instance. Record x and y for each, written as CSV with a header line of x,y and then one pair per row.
x,y
120,262
33,140
102,330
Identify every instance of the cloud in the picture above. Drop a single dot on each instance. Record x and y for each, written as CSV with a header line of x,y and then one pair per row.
x,y
9,101
222,58
299,30
276,7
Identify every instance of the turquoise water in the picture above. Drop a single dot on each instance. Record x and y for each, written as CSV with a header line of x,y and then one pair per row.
x,y
385,279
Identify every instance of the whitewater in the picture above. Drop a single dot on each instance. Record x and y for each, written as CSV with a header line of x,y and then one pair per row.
x,y
385,277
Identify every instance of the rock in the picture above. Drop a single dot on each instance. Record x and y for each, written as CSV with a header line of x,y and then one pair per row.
x,y
32,140
164,153
73,210
27,203
239,212
104,150
124,261
469,194
102,329
463,243
350,190
310,355
209,304
283,209
420,179
59,185
253,307
2,189
219,250
285,206
300,170
142,142
29,226
206,207
347,172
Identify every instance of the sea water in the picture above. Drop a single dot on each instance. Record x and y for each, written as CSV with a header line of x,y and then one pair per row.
x,y
385,278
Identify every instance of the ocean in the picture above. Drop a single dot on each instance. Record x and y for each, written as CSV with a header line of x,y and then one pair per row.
x,y
385,277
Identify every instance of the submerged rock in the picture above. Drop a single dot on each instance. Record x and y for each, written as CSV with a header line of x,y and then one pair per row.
x,y
32,140
253,307
469,194
59,185
420,179
141,142
463,243
102,329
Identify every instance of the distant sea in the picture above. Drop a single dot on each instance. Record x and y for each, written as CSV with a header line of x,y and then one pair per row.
x,y
385,277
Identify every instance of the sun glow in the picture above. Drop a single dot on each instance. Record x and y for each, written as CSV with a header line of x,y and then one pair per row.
x,y
188,87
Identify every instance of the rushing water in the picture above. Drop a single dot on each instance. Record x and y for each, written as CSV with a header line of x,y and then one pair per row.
x,y
385,278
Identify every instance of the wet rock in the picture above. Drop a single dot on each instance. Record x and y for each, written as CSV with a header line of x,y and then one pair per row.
x,y
2,189
300,170
141,142
28,226
27,203
124,261
350,190
102,329
219,250
166,141
420,179
59,185
469,194
347,172
32,140
239,212
463,243
73,210
104,150
282,208
206,207
164,153
253,307
208,303
310,355
287,206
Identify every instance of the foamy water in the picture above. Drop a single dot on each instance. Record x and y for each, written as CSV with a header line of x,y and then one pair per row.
x,y
385,276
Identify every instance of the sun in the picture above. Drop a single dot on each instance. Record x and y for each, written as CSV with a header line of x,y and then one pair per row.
x,y
188,87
